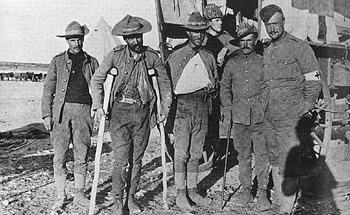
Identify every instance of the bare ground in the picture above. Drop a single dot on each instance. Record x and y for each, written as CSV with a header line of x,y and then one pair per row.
x,y
27,183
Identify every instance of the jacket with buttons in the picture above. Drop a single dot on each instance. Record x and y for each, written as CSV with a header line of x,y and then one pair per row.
x,y
179,59
120,59
56,83
286,61
242,88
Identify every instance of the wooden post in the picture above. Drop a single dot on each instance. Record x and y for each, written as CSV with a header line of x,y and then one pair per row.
x,y
259,19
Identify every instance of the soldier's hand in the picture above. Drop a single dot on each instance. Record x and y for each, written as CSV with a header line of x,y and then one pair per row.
x,y
98,114
48,123
221,56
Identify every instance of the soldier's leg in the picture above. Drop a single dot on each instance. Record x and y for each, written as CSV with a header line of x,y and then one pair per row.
x,y
182,128
140,136
60,137
121,135
243,144
81,131
261,165
197,139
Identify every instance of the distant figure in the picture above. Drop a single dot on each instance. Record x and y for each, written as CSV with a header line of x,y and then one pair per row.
x,y
194,76
132,103
242,95
292,79
66,110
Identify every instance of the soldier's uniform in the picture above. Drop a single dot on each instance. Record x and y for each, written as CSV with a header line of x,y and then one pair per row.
x,y
293,85
132,111
191,120
242,91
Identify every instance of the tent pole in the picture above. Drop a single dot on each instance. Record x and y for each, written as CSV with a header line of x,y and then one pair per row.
x,y
259,19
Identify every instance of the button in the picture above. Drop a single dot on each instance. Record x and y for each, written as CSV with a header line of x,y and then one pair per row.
x,y
190,52
247,90
63,90
126,72
65,80
68,62
122,82
61,100
180,64
246,80
129,61
67,70
73,71
185,58
176,73
246,71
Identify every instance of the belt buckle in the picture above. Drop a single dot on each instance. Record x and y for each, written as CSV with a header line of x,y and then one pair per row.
x,y
128,100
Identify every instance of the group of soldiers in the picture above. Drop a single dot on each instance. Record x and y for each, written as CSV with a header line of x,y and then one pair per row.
x,y
264,96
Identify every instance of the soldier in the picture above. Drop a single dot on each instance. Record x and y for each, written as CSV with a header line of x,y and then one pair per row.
x,y
217,40
132,105
242,92
193,73
291,75
66,110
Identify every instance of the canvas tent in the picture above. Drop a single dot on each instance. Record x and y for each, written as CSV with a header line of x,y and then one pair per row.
x,y
100,40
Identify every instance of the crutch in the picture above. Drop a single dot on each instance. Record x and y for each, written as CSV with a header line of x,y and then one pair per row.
x,y
162,138
101,129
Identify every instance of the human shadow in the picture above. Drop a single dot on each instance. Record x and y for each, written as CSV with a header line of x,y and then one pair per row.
x,y
308,175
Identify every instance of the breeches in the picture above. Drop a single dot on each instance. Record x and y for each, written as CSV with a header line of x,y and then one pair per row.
x,y
249,138
191,126
75,127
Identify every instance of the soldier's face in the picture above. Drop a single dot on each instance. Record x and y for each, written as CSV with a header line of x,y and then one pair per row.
x,y
275,26
196,37
75,44
135,42
247,44
216,24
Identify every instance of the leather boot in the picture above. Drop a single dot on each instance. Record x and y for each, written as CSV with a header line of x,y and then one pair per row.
x,y
263,202
80,198
182,200
246,196
134,183
198,199
117,207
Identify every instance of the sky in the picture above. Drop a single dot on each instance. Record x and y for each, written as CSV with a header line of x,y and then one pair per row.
x,y
28,28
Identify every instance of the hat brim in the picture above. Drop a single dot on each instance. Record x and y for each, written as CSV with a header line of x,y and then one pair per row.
x,y
118,29
71,36
236,40
195,27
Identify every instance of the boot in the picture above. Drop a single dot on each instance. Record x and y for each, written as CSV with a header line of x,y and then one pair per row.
x,y
59,203
198,199
60,185
182,200
134,183
80,199
263,202
117,207
246,196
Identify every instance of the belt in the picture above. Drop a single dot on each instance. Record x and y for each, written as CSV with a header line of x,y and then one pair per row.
x,y
128,100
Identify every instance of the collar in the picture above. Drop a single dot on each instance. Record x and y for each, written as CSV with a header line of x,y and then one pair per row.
x,y
281,39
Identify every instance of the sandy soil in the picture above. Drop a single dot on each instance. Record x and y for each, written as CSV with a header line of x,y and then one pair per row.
x,y
27,183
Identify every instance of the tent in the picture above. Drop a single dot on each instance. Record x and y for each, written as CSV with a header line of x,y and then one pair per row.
x,y
100,40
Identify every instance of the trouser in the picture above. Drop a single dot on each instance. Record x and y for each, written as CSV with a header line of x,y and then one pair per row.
x,y
75,126
284,156
249,138
190,129
130,131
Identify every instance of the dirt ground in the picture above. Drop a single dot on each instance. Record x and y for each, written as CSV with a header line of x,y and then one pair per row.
x,y
26,174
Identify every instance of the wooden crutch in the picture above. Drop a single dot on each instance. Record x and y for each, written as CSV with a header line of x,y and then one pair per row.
x,y
162,138
101,130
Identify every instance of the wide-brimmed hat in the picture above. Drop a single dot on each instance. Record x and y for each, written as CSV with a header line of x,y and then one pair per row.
x,y
131,25
196,22
75,29
244,29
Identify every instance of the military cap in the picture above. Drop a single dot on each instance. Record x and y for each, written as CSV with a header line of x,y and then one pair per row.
x,y
268,11
244,29
212,11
